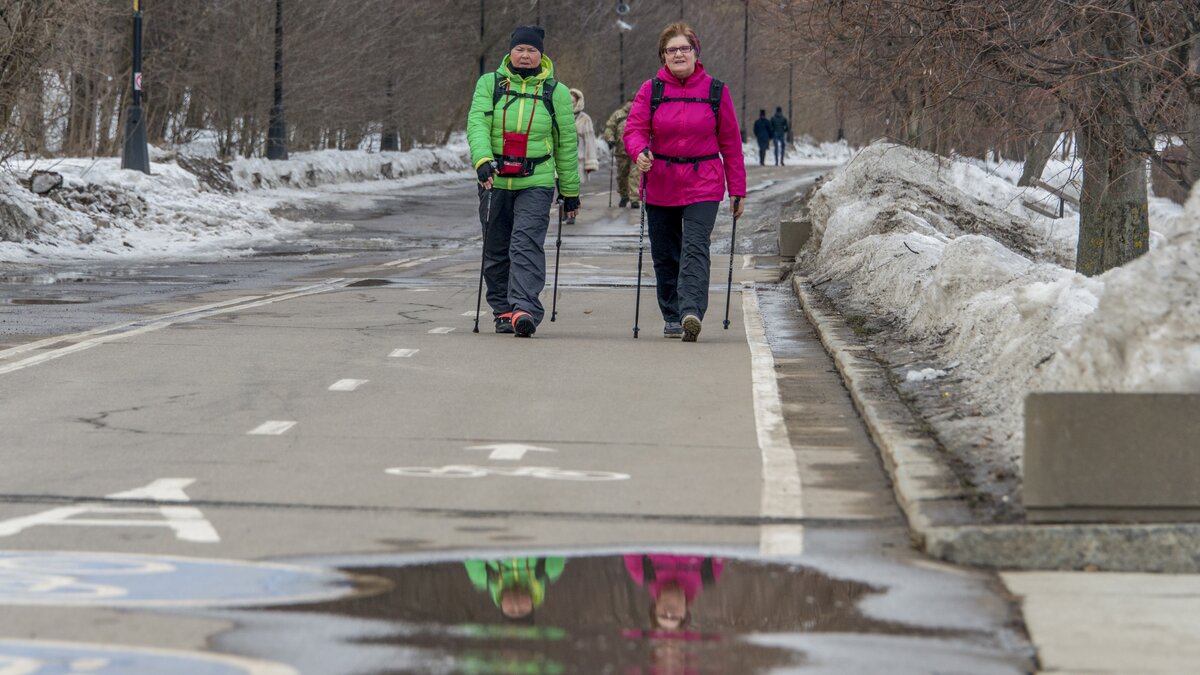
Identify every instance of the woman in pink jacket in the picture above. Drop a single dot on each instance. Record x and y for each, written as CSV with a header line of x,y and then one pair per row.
x,y
685,134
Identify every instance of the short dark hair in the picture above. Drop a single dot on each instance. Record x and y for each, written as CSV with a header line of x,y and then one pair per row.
x,y
762,112
778,109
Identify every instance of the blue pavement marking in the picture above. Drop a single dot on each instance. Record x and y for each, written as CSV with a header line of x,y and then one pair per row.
x,y
113,579
19,657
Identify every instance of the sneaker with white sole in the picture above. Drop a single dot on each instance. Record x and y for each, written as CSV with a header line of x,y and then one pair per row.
x,y
673,329
691,328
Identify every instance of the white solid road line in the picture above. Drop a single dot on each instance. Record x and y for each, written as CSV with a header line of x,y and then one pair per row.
x,y
472,313
271,428
441,330
781,474
347,385
150,324
402,353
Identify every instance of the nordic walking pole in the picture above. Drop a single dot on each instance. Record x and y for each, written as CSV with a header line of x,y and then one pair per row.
x,y
557,253
612,170
482,260
732,245
637,306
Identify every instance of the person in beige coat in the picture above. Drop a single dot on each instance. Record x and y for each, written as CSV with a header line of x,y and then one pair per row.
x,y
586,134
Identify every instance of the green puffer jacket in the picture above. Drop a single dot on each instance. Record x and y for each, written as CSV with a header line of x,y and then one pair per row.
x,y
486,137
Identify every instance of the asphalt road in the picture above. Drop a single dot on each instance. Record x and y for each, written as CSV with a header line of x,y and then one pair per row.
x,y
286,472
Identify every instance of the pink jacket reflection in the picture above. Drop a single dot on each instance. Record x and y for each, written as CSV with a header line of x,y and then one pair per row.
x,y
658,571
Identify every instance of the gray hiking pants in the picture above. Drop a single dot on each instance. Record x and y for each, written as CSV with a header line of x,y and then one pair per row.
x,y
679,243
514,254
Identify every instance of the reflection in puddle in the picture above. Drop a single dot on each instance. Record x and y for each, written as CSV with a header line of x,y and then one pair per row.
x,y
630,614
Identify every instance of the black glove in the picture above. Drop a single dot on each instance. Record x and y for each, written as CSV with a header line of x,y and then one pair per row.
x,y
485,171
570,204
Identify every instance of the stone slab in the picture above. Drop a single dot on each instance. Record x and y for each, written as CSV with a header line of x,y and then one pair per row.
x,y
1112,457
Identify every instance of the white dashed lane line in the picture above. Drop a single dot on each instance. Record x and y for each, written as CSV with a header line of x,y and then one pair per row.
x,y
271,428
403,353
347,385
441,330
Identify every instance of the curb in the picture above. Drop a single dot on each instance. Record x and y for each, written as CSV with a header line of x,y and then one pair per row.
x,y
935,503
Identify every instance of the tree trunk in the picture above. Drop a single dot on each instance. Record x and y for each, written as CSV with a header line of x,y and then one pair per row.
x,y
1039,147
1113,221
1193,92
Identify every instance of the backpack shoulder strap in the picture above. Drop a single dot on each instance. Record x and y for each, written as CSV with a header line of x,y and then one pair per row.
x,y
714,99
658,90
499,88
548,99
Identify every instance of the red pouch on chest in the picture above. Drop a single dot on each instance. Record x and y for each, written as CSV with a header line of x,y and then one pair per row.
x,y
514,153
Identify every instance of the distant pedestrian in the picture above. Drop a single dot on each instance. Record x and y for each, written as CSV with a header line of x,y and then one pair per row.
x,y
520,119
585,132
779,132
762,133
628,175
685,134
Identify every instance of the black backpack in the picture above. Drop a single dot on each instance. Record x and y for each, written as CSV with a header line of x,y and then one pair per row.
x,y
658,97
499,91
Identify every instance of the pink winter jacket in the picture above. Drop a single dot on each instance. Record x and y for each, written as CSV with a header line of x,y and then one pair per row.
x,y
686,129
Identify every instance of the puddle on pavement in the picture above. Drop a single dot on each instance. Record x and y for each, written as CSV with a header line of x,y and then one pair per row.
x,y
641,613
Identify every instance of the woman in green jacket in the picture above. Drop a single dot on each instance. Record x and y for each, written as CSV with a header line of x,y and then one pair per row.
x,y
522,133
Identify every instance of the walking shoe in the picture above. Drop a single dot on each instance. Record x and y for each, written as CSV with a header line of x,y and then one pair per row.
x,y
569,221
691,327
635,205
624,202
504,323
673,329
523,324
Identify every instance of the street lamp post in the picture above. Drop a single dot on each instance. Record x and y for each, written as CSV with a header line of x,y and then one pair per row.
x,y
622,26
277,134
745,62
136,153
482,29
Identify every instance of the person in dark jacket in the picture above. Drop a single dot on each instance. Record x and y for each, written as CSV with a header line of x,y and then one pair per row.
x,y
779,132
762,133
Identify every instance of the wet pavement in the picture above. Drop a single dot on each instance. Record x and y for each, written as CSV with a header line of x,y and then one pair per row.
x,y
360,500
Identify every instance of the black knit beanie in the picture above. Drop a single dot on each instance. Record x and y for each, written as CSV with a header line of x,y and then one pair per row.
x,y
533,36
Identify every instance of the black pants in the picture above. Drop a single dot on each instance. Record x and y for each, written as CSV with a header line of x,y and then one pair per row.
x,y
514,254
679,241
762,151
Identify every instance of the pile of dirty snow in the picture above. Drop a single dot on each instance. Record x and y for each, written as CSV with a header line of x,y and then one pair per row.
x,y
103,211
947,257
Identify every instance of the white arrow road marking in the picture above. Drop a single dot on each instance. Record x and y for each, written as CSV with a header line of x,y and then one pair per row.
x,y
403,353
442,330
271,428
512,452
347,385
188,522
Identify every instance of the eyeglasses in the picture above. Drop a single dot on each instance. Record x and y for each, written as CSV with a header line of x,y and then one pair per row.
x,y
672,51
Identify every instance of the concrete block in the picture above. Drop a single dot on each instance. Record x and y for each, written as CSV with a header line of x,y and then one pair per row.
x,y
1112,457
793,234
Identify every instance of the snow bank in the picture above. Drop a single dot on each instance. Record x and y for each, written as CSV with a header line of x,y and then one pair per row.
x,y
804,151
947,253
103,211
310,169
